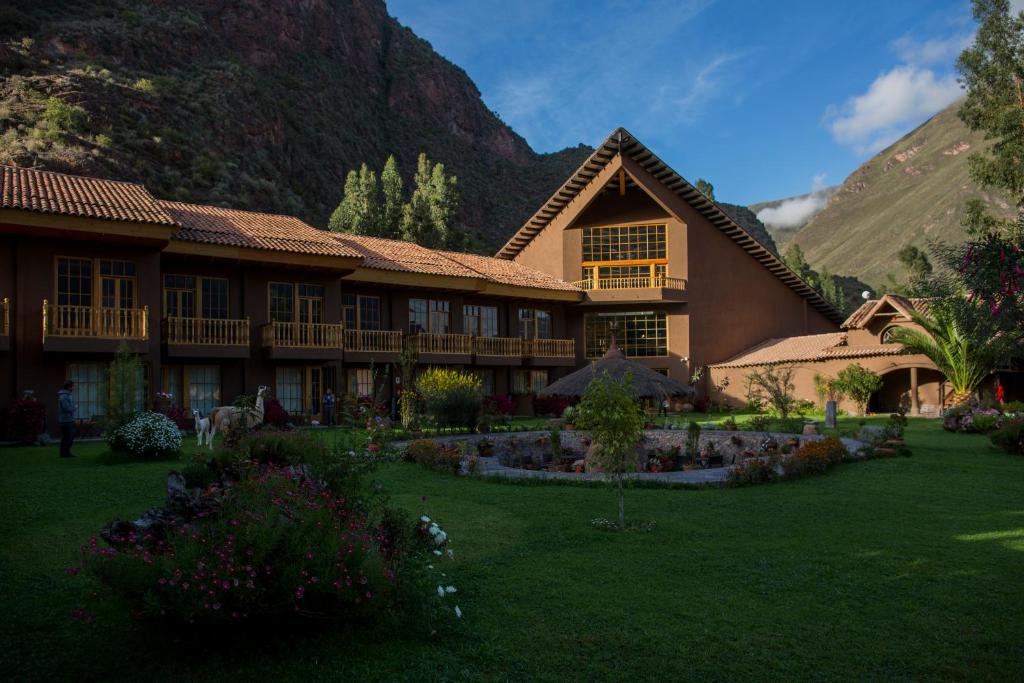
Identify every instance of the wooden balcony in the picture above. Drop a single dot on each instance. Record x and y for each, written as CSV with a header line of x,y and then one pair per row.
x,y
364,346
5,324
498,350
94,329
303,341
551,351
637,289
212,337
442,348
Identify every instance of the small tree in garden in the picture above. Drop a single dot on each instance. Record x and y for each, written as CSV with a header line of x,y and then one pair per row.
x,y
775,387
452,398
615,422
859,383
125,383
828,388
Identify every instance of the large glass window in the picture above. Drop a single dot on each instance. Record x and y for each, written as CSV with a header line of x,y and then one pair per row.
x,y
282,302
360,382
203,387
640,334
480,321
360,312
90,392
429,315
180,296
74,281
534,323
215,298
529,381
288,389
486,377
624,243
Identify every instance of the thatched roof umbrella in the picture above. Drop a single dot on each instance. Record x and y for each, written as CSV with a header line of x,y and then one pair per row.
x,y
646,382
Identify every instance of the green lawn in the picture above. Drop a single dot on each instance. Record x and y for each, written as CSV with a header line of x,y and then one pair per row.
x,y
888,569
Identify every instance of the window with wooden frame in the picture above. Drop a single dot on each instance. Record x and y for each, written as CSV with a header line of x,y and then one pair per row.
x,y
487,381
534,323
625,252
74,281
359,312
637,334
117,284
361,382
192,387
529,381
180,296
90,389
281,302
480,321
429,315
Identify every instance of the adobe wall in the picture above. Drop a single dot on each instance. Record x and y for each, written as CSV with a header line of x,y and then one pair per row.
x,y
894,371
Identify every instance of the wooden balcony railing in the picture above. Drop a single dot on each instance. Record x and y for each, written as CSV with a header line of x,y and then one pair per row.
x,y
426,342
551,348
302,335
5,317
505,347
95,322
373,341
212,331
638,282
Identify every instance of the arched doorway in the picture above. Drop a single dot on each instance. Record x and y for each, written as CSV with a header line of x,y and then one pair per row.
x,y
918,390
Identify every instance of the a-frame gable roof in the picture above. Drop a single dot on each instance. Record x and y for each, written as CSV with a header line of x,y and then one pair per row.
x,y
902,305
623,142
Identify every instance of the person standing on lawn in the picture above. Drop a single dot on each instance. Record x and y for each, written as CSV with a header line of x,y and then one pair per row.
x,y
66,416
328,405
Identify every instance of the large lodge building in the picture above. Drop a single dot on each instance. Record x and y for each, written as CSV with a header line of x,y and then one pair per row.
x,y
219,301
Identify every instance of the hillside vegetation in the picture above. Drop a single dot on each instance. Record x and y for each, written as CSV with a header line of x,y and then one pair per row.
x,y
256,104
911,193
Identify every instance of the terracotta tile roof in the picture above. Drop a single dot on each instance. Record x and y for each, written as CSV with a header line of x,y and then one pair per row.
x,y
903,305
408,257
811,347
252,230
31,189
509,272
621,141
396,255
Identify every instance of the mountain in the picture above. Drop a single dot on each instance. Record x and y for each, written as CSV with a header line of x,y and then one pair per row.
x,y
910,193
257,104
785,217
747,220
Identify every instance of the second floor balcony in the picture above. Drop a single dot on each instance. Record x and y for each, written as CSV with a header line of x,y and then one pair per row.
x,y
303,341
440,348
498,350
372,345
94,328
640,288
550,351
215,337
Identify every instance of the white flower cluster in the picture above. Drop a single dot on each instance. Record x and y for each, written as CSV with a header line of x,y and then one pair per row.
x,y
149,433
440,538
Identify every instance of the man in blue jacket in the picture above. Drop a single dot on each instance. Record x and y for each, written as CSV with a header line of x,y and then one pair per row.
x,y
66,416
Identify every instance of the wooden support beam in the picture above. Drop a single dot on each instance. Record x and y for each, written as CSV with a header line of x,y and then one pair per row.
x,y
622,182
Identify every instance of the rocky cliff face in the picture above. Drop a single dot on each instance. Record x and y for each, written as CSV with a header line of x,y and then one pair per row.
x,y
261,104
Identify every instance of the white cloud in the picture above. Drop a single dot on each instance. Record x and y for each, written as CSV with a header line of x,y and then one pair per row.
x,y
933,51
795,212
895,101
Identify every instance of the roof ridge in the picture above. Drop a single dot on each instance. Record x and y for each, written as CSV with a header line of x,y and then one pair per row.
x,y
47,171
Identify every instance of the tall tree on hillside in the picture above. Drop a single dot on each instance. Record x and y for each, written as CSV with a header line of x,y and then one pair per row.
x,y
832,290
429,217
705,188
990,265
391,191
794,258
360,209
917,269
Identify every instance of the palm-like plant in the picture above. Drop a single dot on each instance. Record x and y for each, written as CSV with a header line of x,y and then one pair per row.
x,y
960,339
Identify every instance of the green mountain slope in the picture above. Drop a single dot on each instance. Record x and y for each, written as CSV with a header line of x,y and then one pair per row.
x,y
259,104
910,193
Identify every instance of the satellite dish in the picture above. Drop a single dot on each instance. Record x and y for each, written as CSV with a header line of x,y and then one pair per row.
x,y
866,294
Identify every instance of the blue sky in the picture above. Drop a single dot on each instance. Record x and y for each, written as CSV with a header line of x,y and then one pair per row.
x,y
763,99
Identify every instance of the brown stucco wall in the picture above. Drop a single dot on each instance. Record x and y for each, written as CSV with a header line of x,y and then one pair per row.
x,y
894,370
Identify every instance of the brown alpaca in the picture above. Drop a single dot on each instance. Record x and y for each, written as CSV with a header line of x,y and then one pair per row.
x,y
225,417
